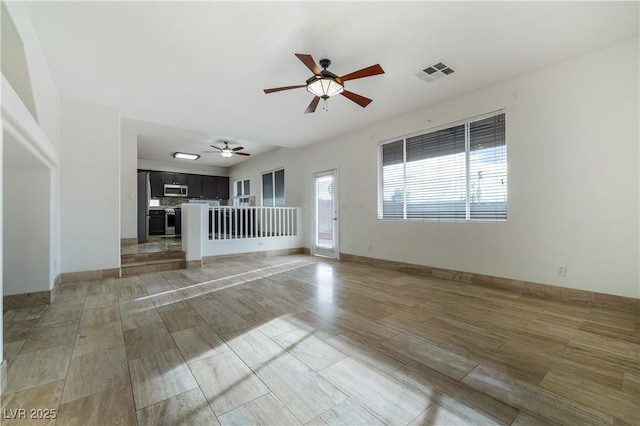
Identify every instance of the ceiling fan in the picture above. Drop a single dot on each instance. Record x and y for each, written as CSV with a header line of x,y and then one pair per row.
x,y
325,84
227,152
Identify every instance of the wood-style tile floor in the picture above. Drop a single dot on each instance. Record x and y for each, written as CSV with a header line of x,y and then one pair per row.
x,y
303,340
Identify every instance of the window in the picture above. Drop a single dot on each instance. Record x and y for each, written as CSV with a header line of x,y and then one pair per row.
x,y
273,189
456,173
242,187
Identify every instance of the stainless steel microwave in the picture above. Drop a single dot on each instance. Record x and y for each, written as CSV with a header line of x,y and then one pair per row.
x,y
176,190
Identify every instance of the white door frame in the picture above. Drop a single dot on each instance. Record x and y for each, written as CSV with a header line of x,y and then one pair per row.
x,y
319,251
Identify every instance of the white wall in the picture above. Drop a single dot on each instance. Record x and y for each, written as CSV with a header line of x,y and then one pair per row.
x,y
286,158
1,246
129,184
41,137
90,186
26,198
45,93
195,169
573,155
14,62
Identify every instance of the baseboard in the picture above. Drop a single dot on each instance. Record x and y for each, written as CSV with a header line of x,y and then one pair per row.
x,y
207,260
25,300
194,264
56,286
306,250
128,241
541,291
3,376
100,274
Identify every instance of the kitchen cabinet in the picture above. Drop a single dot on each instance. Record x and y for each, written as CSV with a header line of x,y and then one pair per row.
x,y
222,185
173,178
194,182
209,188
156,179
215,187
199,186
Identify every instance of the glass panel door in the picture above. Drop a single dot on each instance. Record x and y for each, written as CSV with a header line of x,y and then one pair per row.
x,y
325,240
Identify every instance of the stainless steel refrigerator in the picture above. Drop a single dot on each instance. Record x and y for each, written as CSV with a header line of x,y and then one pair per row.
x,y
144,196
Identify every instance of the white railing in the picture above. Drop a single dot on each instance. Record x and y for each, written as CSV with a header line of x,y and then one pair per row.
x,y
234,223
220,231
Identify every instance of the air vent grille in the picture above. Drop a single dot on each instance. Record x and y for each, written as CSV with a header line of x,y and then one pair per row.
x,y
435,71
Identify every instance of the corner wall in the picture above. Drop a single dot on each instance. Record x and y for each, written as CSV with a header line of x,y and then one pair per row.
x,y
40,137
90,186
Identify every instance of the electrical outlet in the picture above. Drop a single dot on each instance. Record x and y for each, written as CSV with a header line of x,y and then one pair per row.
x,y
370,248
562,271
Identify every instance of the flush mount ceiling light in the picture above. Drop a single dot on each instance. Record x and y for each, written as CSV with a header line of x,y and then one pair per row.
x,y
185,156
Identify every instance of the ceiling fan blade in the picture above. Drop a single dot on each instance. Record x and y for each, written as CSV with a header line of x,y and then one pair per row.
x,y
213,146
241,153
309,62
365,72
360,100
211,152
279,89
237,148
313,105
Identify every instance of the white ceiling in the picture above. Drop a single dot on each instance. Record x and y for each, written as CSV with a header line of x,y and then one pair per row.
x,y
186,74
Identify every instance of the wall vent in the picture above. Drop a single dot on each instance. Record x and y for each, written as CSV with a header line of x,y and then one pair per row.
x,y
435,71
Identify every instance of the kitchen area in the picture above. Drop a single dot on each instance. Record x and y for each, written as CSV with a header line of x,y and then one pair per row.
x,y
161,193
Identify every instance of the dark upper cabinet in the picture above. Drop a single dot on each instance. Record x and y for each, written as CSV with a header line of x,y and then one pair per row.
x,y
200,186
173,178
194,182
209,188
222,185
156,179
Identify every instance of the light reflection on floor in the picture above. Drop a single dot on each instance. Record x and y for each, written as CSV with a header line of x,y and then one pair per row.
x,y
325,283
199,289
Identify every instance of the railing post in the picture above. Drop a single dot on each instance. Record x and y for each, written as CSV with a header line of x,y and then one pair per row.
x,y
194,226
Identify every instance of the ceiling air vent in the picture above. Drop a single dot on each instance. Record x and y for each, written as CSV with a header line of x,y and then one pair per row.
x,y
435,71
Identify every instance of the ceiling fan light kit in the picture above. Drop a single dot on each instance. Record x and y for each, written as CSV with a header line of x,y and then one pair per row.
x,y
325,84
324,87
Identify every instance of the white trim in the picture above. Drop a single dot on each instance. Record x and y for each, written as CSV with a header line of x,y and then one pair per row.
x,y
17,121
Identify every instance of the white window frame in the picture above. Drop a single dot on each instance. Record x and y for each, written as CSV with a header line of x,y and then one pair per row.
x,y
243,183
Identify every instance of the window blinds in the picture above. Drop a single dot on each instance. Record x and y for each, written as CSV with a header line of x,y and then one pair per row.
x,y
488,169
453,174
